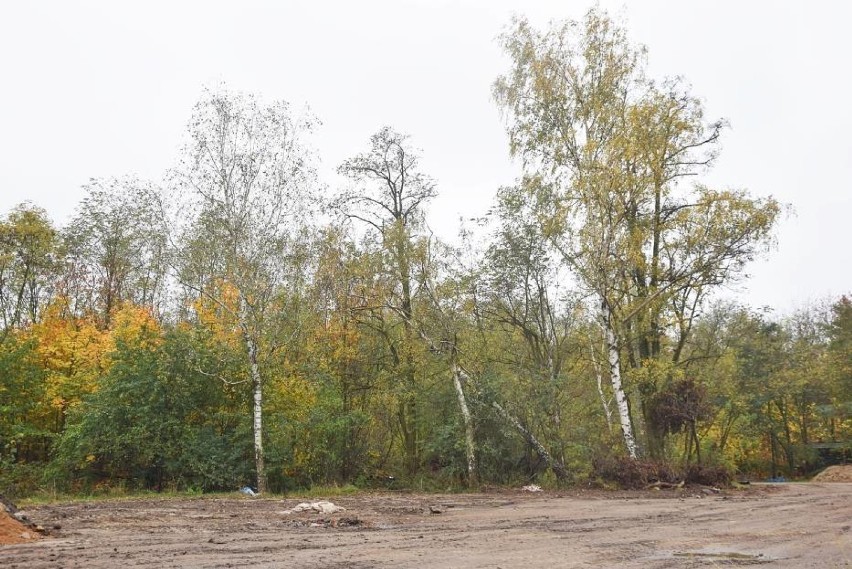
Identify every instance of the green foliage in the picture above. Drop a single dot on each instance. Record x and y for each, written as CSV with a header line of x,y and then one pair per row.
x,y
21,393
773,388
25,436
155,422
212,335
116,242
607,154
30,256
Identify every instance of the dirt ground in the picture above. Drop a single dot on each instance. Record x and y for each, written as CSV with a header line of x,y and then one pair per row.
x,y
785,525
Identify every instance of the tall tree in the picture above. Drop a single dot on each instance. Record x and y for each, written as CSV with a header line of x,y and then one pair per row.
x,y
116,244
612,151
525,296
246,178
29,265
840,350
388,195
443,324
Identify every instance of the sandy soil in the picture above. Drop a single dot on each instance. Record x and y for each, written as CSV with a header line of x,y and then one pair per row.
x,y
13,531
787,525
838,473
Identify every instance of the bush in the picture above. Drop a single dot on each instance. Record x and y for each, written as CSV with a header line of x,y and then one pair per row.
x,y
712,475
154,423
631,473
18,480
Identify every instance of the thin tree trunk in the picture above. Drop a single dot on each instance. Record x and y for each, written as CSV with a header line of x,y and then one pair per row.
x,y
470,448
697,442
615,376
257,425
408,410
773,454
726,431
557,467
687,447
599,378
788,437
805,426
257,389
406,427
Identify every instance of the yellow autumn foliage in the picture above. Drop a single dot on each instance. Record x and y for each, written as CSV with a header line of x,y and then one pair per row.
x,y
73,351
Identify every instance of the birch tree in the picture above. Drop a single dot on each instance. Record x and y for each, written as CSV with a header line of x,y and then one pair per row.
x,y
442,324
526,295
245,178
610,153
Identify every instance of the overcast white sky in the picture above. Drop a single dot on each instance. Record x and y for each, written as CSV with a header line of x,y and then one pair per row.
x,y
97,89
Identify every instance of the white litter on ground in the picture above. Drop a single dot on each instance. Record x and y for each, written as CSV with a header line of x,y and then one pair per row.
x,y
532,488
321,507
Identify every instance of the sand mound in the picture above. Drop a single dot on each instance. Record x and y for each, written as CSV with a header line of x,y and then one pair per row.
x,y
13,530
839,473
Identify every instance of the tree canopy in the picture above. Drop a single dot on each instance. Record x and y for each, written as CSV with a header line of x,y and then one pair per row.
x,y
238,323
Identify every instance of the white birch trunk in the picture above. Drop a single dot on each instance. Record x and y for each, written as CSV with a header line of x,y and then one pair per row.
x,y
615,376
257,425
557,467
604,401
470,448
257,391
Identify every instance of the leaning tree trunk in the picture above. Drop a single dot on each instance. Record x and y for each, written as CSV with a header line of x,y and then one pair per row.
x,y
458,379
604,402
615,377
557,467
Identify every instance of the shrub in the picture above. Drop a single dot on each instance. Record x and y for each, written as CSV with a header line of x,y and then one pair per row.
x,y
632,473
708,475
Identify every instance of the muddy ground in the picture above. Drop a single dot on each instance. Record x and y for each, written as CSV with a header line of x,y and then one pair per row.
x,y
786,525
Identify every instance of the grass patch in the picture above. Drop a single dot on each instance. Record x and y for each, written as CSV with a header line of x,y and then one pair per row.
x,y
118,496
327,491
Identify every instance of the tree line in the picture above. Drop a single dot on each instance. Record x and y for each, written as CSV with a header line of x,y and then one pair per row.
x,y
234,323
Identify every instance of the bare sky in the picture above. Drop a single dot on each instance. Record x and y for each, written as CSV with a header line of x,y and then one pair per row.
x,y
97,89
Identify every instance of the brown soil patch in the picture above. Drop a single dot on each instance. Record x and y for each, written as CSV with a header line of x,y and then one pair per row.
x,y
781,526
839,473
13,531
